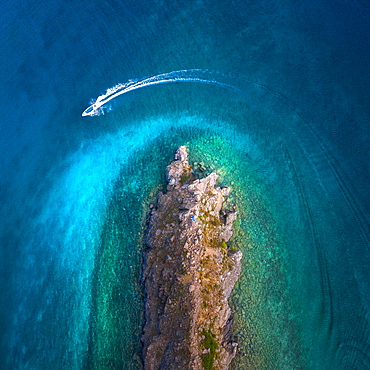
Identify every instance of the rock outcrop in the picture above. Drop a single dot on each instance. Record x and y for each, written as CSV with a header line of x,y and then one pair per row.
x,y
189,272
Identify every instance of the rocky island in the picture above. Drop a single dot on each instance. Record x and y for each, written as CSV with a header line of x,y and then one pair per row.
x,y
189,272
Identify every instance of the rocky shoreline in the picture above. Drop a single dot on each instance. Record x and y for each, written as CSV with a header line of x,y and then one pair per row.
x,y
189,272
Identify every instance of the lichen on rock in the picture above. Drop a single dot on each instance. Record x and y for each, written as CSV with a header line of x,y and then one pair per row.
x,y
189,272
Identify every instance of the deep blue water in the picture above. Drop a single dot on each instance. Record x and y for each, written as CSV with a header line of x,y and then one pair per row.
x,y
293,144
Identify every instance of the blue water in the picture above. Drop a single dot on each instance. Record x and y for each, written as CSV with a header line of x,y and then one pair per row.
x,y
292,141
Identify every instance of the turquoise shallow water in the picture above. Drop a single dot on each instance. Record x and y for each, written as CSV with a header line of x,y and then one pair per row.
x,y
292,143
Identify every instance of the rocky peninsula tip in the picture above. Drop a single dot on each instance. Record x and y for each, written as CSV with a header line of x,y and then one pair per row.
x,y
189,272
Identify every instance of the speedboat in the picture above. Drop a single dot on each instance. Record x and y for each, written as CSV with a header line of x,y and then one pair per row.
x,y
92,110
88,111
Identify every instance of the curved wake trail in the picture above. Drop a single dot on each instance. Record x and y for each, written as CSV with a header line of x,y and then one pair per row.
x,y
190,75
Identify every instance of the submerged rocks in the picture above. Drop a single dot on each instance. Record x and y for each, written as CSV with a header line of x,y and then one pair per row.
x,y
189,273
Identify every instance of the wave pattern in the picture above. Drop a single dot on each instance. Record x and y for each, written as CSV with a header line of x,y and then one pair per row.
x,y
185,75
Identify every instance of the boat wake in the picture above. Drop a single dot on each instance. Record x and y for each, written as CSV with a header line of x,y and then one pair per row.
x,y
191,75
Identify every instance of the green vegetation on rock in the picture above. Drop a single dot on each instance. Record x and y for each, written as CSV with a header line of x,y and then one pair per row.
x,y
210,344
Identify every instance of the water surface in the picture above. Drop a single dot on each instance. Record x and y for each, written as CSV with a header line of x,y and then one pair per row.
x,y
292,142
